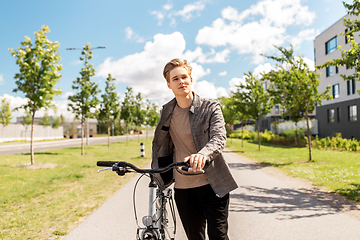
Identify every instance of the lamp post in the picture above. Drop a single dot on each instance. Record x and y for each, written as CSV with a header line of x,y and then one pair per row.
x,y
87,120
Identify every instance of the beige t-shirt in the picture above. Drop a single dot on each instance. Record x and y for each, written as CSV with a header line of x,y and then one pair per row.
x,y
180,133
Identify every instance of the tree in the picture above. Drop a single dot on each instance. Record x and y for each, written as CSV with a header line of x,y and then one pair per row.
x,y
39,72
152,115
109,107
256,101
240,110
45,120
5,113
351,57
127,109
138,113
231,116
85,98
297,86
56,122
26,121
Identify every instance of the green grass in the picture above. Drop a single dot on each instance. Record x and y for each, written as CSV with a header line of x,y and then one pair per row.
x,y
48,203
334,170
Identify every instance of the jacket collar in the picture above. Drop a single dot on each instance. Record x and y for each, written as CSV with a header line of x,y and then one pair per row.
x,y
169,107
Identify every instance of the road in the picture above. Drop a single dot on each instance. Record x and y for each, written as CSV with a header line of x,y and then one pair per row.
x,y
268,205
18,148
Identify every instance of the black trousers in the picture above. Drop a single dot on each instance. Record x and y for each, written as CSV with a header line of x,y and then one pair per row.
x,y
198,206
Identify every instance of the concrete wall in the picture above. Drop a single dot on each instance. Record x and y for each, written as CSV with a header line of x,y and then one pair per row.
x,y
14,132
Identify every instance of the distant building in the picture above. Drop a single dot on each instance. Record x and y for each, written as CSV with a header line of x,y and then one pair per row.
x,y
72,129
338,115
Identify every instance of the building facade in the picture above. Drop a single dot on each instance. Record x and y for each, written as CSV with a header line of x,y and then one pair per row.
x,y
340,114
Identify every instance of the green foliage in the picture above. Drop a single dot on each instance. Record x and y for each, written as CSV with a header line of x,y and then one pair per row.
x,y
56,122
252,100
109,107
152,114
26,119
138,111
45,120
39,70
5,112
127,108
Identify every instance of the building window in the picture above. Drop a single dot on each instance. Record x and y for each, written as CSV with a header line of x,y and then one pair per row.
x,y
352,113
276,109
336,91
329,71
338,114
331,45
347,35
336,69
331,115
353,83
348,88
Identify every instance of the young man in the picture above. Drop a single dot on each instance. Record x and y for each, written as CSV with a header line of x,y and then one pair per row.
x,y
192,129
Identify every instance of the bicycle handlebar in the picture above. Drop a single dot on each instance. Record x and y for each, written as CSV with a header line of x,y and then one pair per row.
x,y
123,167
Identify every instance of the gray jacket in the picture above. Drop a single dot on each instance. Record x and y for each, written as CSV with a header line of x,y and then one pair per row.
x,y
209,136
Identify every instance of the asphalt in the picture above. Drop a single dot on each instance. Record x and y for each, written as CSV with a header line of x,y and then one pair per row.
x,y
268,205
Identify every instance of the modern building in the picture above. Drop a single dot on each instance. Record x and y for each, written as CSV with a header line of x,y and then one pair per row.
x,y
340,114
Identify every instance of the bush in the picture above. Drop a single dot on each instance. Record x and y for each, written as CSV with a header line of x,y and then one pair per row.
x,y
354,145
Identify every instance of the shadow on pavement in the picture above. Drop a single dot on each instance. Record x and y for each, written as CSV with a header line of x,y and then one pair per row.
x,y
287,203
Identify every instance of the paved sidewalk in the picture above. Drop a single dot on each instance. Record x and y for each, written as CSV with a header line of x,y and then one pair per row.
x,y
268,205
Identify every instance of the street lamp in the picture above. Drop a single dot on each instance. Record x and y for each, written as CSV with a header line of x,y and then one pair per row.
x,y
87,120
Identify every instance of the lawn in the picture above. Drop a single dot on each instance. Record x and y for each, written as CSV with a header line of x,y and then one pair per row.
x,y
334,170
48,203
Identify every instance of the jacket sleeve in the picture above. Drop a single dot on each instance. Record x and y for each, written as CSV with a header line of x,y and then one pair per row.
x,y
216,132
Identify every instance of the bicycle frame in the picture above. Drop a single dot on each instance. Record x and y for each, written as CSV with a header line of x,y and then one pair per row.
x,y
156,222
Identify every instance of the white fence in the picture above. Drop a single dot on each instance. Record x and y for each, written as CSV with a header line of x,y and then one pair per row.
x,y
313,123
13,132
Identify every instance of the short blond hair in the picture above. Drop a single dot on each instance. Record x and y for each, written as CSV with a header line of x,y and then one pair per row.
x,y
174,64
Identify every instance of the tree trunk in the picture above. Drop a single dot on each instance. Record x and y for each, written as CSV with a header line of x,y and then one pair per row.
x,y
139,134
295,136
82,138
108,128
127,133
309,136
242,135
32,138
258,130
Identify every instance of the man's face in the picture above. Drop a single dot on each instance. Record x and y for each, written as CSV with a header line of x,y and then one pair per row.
x,y
180,82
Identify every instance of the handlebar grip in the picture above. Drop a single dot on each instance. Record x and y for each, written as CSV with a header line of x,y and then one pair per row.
x,y
105,163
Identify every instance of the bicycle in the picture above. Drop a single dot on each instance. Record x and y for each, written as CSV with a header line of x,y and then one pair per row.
x,y
156,222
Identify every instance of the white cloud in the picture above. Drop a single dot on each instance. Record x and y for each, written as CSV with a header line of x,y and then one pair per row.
x,y
262,68
159,16
143,70
167,7
191,10
305,35
187,13
210,57
257,29
1,79
66,95
234,82
224,73
208,90
130,34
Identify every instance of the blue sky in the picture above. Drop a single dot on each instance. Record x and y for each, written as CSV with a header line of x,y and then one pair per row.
x,y
222,39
